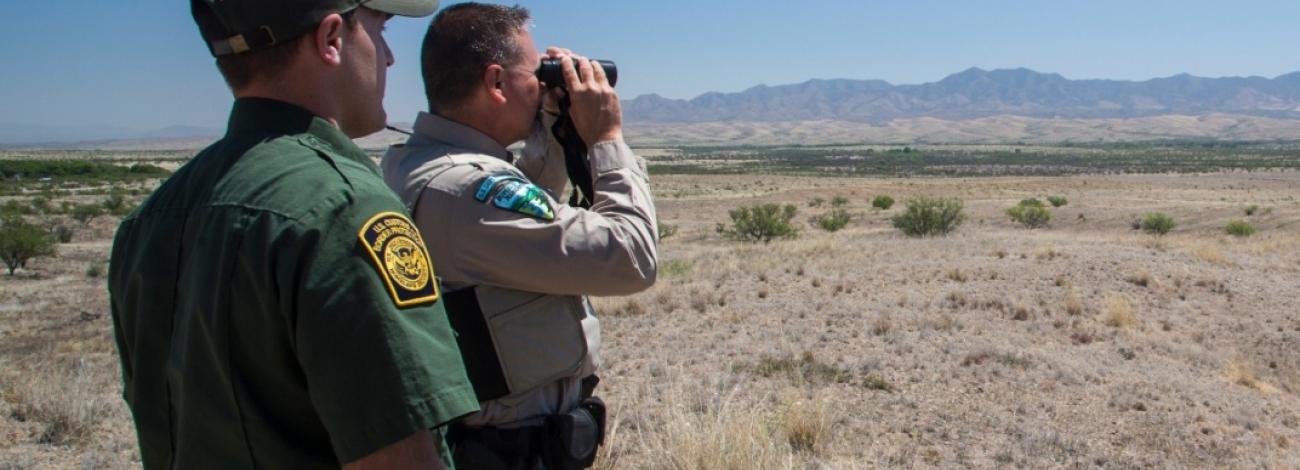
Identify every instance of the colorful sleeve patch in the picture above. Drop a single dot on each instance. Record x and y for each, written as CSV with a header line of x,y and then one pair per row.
x,y
403,261
516,195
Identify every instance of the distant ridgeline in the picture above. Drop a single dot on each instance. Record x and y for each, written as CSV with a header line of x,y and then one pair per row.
x,y
977,93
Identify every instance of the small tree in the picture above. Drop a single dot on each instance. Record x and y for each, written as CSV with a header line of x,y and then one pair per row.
x,y
21,241
929,216
834,220
85,213
1057,201
882,202
760,223
1157,223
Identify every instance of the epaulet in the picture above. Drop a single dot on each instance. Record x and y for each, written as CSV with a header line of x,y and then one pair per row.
x,y
511,192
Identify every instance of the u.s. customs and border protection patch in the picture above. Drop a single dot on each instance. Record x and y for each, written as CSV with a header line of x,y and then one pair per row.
x,y
403,262
517,195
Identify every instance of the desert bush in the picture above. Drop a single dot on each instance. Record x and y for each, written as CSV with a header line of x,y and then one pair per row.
x,y
21,241
1030,216
834,220
882,202
85,213
816,202
805,369
1057,201
95,269
665,230
1250,210
760,223
42,205
1031,202
116,204
929,216
1240,228
1157,223
839,201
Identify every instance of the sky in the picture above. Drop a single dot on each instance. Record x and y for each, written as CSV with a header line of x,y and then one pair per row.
x,y
140,64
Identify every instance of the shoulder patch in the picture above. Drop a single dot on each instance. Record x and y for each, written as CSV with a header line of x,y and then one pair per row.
x,y
516,195
403,261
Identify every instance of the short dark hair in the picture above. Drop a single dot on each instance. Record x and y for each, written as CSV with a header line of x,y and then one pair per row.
x,y
240,70
462,41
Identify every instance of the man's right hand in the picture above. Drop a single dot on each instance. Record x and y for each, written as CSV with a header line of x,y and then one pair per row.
x,y
593,104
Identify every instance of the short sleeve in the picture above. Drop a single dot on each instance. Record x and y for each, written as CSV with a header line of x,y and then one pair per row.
x,y
379,357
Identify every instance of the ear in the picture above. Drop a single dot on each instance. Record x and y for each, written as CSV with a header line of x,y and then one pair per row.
x,y
329,39
494,77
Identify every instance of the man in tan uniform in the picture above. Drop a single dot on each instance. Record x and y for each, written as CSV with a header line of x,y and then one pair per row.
x,y
514,261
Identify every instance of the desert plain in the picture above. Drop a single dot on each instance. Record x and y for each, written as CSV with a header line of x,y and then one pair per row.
x,y
1083,344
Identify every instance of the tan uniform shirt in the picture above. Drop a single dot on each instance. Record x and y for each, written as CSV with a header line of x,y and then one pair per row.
x,y
608,249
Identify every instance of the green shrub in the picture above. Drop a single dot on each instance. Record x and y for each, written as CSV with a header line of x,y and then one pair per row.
x,y
882,202
21,241
834,220
760,223
1031,202
1240,228
116,204
839,201
1157,223
1057,201
1030,216
85,213
929,216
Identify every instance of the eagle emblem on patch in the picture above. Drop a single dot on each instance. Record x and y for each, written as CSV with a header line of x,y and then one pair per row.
x,y
516,195
399,253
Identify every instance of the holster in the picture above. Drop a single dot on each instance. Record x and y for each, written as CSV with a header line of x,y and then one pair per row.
x,y
573,438
566,441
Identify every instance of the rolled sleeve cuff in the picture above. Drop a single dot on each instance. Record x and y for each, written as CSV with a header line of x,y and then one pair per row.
x,y
382,431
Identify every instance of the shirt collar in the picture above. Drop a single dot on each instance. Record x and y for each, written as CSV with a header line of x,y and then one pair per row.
x,y
437,129
269,116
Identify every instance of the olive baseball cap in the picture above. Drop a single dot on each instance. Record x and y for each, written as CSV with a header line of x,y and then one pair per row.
x,y
236,26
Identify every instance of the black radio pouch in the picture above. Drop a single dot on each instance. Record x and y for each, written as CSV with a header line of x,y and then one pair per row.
x,y
573,438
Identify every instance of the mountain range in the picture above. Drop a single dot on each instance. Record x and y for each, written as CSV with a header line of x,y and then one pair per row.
x,y
977,93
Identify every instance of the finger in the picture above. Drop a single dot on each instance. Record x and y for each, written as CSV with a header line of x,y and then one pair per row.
x,y
584,70
570,75
599,73
557,52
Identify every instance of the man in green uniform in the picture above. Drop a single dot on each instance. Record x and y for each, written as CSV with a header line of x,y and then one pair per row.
x,y
273,305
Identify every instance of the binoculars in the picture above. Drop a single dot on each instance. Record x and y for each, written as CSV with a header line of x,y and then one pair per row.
x,y
551,73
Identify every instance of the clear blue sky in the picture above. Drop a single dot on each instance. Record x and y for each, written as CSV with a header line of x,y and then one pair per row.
x,y
139,64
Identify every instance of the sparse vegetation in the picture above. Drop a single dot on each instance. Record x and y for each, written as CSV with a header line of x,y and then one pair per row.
x,y
761,223
927,216
1057,201
1240,228
1157,223
882,202
666,230
832,221
1118,312
803,369
1031,213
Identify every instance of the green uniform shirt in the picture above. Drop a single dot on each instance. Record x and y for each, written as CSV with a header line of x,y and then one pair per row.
x,y
274,307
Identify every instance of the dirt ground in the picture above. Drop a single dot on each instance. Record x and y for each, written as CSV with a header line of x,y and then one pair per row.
x,y
1083,344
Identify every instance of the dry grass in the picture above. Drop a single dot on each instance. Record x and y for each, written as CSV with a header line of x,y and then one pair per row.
x,y
993,347
1208,252
1118,312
